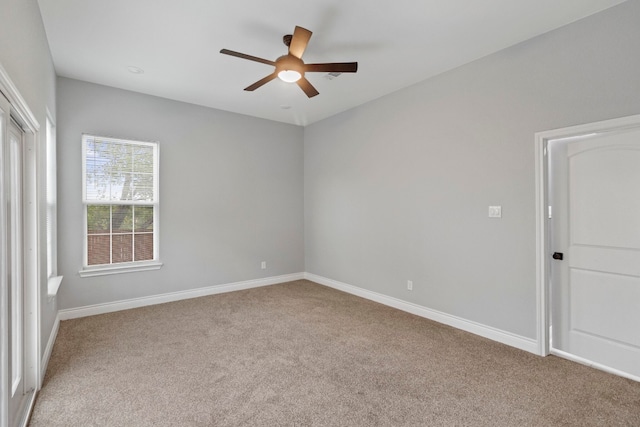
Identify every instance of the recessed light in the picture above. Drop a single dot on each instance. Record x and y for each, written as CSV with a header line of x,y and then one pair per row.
x,y
135,70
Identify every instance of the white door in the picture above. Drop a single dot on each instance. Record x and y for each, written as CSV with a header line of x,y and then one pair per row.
x,y
12,262
594,192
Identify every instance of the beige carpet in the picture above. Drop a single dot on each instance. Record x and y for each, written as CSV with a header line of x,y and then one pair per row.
x,y
300,354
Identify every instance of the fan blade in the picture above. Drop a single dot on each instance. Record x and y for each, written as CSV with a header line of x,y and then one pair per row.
x,y
307,87
245,56
260,82
333,67
299,41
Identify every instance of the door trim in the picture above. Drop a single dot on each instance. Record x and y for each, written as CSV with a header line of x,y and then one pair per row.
x,y
21,112
543,251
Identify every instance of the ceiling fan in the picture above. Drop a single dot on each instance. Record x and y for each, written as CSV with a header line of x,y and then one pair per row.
x,y
291,68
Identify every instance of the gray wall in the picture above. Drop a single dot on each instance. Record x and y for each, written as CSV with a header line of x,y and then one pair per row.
x,y
398,189
25,56
395,190
231,192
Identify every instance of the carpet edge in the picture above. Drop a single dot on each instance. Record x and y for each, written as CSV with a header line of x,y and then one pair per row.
x,y
92,310
523,343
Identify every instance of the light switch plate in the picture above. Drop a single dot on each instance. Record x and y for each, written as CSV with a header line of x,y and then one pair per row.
x,y
495,211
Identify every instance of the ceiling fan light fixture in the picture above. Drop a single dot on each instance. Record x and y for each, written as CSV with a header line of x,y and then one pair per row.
x,y
291,68
289,76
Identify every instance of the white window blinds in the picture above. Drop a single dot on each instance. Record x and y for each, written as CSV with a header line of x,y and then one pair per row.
x,y
119,171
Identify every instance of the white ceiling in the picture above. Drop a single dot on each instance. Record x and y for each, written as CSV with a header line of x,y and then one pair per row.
x,y
396,43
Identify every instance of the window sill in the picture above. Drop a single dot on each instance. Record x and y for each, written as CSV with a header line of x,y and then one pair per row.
x,y
120,268
53,284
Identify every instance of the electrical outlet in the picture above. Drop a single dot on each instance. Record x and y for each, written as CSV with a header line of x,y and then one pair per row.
x,y
409,285
263,265
495,211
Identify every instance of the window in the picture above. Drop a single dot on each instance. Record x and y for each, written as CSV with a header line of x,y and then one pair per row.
x,y
120,196
51,209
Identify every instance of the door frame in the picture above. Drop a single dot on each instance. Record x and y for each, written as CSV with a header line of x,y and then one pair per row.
x,y
21,112
543,249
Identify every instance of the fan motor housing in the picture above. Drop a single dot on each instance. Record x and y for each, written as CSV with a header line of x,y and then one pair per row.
x,y
289,62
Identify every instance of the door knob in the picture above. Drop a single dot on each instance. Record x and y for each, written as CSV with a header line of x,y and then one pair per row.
x,y
558,256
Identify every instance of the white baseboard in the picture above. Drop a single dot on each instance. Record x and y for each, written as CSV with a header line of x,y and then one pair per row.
x,y
513,340
489,332
92,310
48,349
592,364
31,401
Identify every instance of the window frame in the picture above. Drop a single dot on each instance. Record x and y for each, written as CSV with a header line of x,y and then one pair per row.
x,y
51,202
129,266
